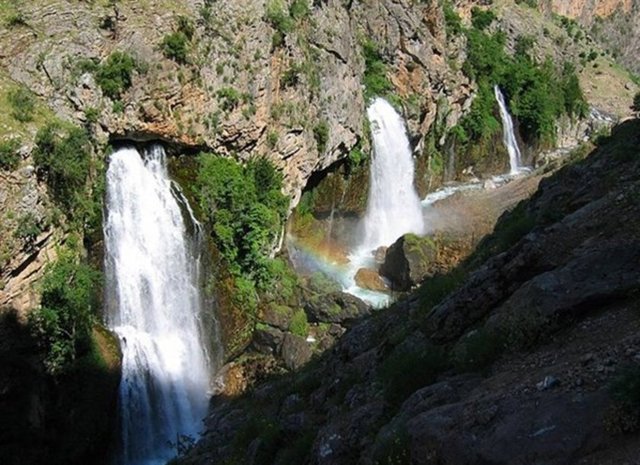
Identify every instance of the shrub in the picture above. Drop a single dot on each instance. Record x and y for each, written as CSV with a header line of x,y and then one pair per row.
x,y
28,229
91,114
375,82
321,135
229,98
299,324
62,158
408,369
175,46
636,103
114,75
299,9
16,19
356,156
481,19
452,21
278,16
23,104
63,323
291,76
9,158
246,209
478,350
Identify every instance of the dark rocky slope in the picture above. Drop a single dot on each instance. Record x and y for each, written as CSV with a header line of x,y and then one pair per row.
x,y
514,366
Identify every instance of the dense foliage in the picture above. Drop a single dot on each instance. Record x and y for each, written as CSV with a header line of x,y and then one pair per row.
x,y
538,93
63,323
246,210
114,75
9,158
376,82
23,104
63,159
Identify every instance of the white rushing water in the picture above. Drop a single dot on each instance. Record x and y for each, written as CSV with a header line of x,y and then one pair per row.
x,y
154,306
508,136
393,207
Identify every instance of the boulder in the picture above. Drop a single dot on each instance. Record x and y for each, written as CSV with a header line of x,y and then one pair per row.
x,y
267,340
278,316
295,351
408,261
338,307
370,279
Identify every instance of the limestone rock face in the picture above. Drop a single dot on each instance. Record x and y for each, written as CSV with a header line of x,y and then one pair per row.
x,y
239,92
23,256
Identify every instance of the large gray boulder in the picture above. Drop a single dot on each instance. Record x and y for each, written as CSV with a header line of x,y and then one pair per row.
x,y
408,261
337,307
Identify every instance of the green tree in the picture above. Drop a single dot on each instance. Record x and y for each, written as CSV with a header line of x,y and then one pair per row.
x,y
115,74
246,209
63,158
63,323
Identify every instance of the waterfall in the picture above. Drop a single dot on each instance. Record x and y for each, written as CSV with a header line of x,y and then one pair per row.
x,y
154,306
393,208
508,136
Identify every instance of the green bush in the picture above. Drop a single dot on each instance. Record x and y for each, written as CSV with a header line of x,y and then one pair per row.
x,y
482,19
229,98
376,83
478,350
91,114
175,46
16,19
278,16
635,106
63,158
321,135
408,369
28,229
63,323
23,104
114,75
246,209
299,9
9,158
452,21
299,324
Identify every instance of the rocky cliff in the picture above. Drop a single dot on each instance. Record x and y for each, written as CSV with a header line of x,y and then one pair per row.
x,y
615,23
252,80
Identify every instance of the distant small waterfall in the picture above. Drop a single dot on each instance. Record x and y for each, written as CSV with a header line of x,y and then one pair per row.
x,y
154,306
508,136
393,208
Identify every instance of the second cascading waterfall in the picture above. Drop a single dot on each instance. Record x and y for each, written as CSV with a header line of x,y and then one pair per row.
x,y
393,208
154,306
509,137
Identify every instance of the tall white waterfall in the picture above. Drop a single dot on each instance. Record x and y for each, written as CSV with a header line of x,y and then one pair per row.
x,y
508,136
393,208
154,306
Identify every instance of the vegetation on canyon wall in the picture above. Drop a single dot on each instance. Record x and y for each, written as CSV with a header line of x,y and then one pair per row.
x,y
538,93
246,210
